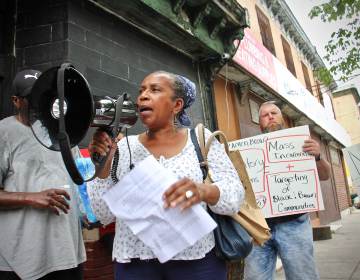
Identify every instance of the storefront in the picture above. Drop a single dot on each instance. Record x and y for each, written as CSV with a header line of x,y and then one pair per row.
x,y
255,76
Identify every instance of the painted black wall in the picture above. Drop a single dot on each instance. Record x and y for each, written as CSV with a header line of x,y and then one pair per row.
x,y
7,57
113,56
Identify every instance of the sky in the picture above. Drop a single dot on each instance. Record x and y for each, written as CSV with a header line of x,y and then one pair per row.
x,y
318,31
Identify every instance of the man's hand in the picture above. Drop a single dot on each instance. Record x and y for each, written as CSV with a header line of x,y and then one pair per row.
x,y
312,147
52,199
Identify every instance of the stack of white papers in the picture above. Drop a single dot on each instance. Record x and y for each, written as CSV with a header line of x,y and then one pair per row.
x,y
137,200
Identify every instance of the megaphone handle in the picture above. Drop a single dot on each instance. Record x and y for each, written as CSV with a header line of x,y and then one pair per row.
x,y
98,159
62,136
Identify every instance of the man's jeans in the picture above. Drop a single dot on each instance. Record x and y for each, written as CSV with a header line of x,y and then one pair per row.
x,y
293,242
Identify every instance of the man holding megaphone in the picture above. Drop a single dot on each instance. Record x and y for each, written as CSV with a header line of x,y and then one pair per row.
x,y
40,235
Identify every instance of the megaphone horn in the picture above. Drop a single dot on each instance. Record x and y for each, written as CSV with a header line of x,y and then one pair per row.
x,y
61,110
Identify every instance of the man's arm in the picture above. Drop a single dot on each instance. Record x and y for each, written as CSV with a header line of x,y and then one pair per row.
x,y
52,199
313,148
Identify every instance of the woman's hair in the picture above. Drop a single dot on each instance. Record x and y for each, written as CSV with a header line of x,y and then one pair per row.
x,y
177,84
184,89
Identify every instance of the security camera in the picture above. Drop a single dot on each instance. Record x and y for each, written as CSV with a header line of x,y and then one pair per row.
x,y
225,56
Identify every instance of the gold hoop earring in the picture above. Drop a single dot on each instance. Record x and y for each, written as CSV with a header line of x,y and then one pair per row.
x,y
175,120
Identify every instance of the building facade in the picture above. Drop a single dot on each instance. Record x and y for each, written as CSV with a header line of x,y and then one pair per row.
x,y
276,61
115,44
347,111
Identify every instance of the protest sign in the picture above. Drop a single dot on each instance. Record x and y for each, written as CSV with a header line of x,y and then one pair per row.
x,y
284,178
352,158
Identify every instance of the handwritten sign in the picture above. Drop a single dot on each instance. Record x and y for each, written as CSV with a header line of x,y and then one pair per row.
x,y
284,178
352,158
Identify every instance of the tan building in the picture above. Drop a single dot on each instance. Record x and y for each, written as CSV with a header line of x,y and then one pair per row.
x,y
347,111
275,61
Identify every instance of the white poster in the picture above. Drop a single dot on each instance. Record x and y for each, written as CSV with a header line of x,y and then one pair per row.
x,y
352,158
284,178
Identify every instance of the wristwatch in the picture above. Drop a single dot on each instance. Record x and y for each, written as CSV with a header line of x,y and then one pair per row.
x,y
317,158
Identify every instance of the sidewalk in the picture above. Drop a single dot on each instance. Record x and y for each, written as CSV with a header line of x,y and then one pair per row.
x,y
339,257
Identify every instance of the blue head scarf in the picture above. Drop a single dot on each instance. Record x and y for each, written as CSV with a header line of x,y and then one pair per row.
x,y
189,94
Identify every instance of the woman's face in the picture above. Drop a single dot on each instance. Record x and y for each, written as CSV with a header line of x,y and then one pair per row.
x,y
156,101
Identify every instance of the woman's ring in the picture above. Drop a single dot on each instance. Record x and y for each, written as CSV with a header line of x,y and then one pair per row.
x,y
189,194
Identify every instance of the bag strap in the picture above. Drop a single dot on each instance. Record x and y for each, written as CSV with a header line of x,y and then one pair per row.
x,y
212,137
201,134
203,164
202,148
205,147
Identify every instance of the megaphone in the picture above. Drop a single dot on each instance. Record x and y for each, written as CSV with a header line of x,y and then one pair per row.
x,y
61,110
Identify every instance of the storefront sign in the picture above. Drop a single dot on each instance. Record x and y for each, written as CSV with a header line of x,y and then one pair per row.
x,y
284,178
254,57
295,93
257,60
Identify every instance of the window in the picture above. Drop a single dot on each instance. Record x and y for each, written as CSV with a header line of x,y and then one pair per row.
x,y
254,110
265,31
288,56
307,78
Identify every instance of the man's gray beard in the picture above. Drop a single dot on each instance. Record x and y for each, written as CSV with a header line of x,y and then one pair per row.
x,y
273,128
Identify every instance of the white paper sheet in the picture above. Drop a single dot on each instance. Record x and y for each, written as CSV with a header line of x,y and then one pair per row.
x,y
137,200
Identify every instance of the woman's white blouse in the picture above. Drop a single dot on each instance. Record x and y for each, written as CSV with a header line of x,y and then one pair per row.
x,y
184,164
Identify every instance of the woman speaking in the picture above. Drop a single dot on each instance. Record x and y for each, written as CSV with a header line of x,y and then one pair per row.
x,y
163,98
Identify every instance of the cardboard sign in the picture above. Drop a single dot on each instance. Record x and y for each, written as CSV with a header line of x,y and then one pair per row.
x,y
352,158
284,178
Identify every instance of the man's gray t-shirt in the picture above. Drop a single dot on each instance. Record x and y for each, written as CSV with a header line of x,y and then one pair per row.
x,y
34,242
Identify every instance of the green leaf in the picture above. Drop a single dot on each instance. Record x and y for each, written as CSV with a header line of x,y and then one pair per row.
x,y
343,47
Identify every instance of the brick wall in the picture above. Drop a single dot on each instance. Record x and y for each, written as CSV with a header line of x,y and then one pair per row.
x,y
113,56
98,265
7,57
340,187
41,33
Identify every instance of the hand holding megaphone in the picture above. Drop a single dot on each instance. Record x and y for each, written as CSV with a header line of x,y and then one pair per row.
x,y
102,149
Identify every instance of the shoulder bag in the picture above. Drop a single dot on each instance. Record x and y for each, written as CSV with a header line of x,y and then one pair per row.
x,y
232,242
250,215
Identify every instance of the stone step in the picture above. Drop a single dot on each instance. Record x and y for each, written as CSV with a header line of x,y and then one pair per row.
x,y
322,233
